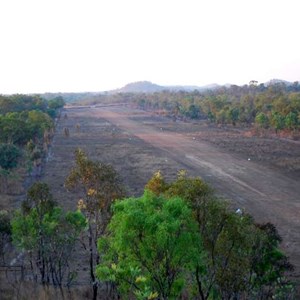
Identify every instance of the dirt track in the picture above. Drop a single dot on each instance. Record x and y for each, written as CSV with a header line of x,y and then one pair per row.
x,y
137,145
265,193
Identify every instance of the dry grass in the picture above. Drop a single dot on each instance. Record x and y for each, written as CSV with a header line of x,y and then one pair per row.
x,y
22,290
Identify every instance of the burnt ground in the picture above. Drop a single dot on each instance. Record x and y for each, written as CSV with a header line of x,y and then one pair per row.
x,y
258,174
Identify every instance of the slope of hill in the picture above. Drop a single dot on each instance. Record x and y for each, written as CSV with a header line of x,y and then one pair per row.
x,y
149,87
140,87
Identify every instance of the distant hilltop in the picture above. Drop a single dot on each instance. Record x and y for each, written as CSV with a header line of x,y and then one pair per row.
x,y
140,87
149,87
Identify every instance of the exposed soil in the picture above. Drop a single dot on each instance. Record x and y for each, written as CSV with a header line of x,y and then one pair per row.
x,y
259,175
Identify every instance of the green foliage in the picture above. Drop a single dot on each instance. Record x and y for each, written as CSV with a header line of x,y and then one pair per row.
x,y
39,197
100,186
229,256
145,251
13,129
9,156
24,120
19,103
29,130
38,122
47,234
193,190
270,264
269,106
277,121
56,103
262,120
193,111
232,240
234,115
20,128
54,106
292,120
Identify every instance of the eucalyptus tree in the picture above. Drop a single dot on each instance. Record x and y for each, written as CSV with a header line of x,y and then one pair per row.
x,y
99,186
47,235
151,246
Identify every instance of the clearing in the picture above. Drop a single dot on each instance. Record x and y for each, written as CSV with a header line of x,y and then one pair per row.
x,y
258,175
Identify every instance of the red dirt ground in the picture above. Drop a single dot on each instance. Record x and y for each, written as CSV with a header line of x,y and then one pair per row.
x,y
261,190
138,143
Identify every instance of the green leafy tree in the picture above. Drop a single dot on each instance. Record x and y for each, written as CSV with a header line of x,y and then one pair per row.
x,y
269,265
136,251
262,120
9,156
21,127
47,234
234,115
146,251
56,103
54,106
222,116
38,122
291,120
19,102
211,116
9,159
193,111
210,215
99,185
13,129
232,240
277,121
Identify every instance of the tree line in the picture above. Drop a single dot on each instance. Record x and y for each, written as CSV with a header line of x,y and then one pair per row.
x,y
27,124
276,106
177,240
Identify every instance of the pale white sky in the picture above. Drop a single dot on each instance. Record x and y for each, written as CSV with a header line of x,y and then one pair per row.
x,y
97,45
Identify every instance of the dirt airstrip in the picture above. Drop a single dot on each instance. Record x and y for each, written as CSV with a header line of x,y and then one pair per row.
x,y
139,143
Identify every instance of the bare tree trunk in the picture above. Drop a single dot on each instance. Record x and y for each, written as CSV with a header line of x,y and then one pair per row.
x,y
93,277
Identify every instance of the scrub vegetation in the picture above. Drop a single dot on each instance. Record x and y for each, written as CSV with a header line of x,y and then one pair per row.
x,y
174,237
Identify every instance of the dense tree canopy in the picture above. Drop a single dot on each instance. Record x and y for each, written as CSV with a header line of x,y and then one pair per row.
x,y
147,246
276,106
27,119
179,238
9,156
20,102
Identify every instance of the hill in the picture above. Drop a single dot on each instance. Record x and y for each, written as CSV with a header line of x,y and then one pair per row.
x,y
149,87
140,87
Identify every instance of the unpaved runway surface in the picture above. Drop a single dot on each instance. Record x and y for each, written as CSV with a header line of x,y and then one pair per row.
x,y
261,191
137,145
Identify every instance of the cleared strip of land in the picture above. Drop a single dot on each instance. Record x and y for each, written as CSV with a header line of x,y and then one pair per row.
x,y
137,147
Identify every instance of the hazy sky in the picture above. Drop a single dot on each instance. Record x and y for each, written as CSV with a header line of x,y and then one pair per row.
x,y
97,45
